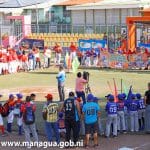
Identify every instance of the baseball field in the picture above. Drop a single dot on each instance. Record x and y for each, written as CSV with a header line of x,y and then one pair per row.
x,y
42,82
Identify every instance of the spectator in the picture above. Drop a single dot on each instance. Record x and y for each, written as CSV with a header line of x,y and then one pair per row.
x,y
79,88
50,110
72,115
147,111
91,112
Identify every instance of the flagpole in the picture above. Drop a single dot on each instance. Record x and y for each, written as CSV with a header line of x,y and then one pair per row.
x,y
121,85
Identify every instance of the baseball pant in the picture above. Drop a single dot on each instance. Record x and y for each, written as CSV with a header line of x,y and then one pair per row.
x,y
61,92
111,119
147,118
95,61
134,124
1,68
1,120
31,64
73,55
88,61
141,113
27,129
121,121
101,129
58,58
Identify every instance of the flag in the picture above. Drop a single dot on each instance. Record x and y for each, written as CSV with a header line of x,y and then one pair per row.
x,y
75,64
66,59
125,88
115,91
129,93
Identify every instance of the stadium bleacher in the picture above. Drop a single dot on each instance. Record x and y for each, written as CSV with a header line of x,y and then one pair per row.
x,y
63,38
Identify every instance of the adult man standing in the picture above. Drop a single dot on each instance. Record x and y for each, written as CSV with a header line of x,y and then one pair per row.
x,y
50,111
61,77
147,111
72,114
79,88
91,111
58,50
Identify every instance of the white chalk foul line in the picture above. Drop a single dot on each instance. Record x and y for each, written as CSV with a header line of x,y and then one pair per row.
x,y
139,147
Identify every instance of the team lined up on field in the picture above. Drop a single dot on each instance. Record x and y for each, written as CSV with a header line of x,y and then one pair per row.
x,y
82,117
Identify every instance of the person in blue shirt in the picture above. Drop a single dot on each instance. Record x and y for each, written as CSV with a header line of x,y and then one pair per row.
x,y
133,113
91,113
121,115
111,109
141,111
61,77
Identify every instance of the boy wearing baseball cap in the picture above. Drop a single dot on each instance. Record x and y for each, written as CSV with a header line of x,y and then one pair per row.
x,y
111,109
91,112
50,115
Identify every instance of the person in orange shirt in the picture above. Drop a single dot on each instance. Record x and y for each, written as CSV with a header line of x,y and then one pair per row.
x,y
10,118
24,59
73,50
58,50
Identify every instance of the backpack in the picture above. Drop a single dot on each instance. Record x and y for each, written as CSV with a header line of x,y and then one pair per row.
x,y
29,116
69,109
5,110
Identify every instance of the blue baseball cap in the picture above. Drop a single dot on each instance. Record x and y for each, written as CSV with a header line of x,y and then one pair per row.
x,y
138,95
133,96
11,96
120,97
19,95
111,98
60,114
107,95
90,97
124,95
95,99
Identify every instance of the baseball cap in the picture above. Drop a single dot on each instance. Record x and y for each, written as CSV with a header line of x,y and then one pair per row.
x,y
124,95
49,96
133,96
11,96
60,114
90,97
138,95
95,99
120,96
111,97
19,95
107,95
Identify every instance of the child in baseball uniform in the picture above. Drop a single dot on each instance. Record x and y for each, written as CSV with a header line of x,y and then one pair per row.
x,y
2,129
10,117
111,109
141,111
121,115
133,112
17,112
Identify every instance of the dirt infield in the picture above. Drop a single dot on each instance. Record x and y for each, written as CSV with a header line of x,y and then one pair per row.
x,y
40,91
136,142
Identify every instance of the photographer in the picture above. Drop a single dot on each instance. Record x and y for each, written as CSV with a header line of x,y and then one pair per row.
x,y
80,83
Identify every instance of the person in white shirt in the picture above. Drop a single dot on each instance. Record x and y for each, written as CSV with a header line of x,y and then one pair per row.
x,y
47,57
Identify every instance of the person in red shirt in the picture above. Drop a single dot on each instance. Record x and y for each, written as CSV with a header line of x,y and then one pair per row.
x,y
73,50
58,50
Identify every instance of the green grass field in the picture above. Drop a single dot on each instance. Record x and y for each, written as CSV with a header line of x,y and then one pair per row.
x,y
43,81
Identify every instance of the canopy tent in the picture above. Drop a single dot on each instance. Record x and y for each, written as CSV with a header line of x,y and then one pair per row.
x,y
19,3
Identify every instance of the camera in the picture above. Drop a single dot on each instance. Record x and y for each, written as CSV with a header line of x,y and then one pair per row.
x,y
86,75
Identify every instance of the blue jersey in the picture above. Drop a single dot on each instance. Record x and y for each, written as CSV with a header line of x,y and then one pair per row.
x,y
111,108
61,77
133,105
141,104
90,110
120,106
